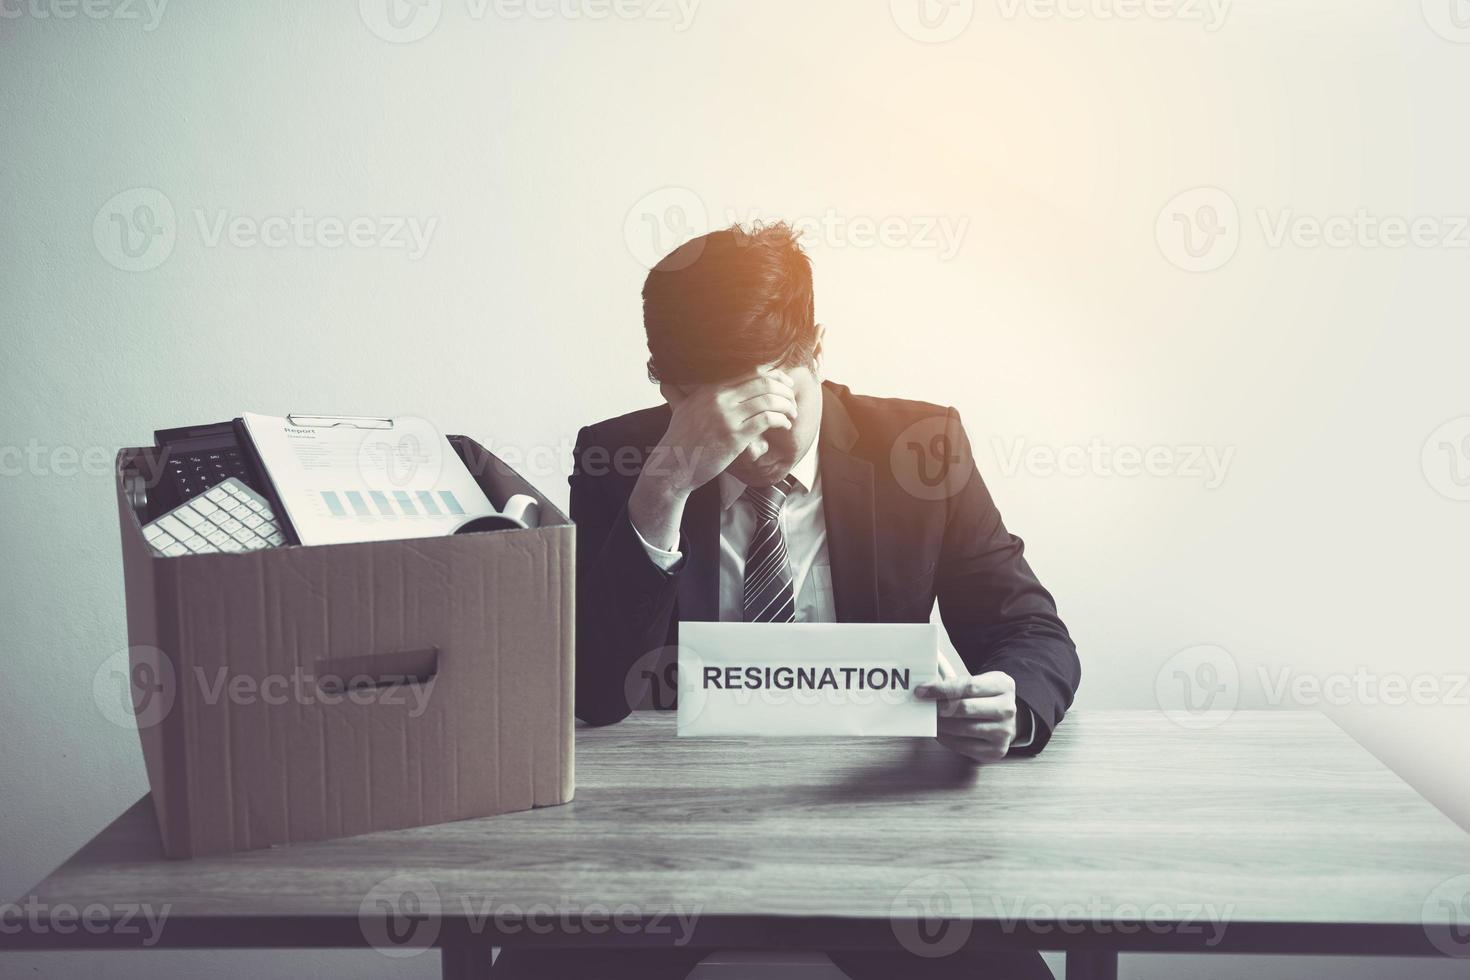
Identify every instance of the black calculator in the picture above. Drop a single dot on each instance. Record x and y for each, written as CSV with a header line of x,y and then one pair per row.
x,y
195,458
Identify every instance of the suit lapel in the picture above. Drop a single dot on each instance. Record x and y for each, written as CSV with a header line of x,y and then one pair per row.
x,y
847,502
699,586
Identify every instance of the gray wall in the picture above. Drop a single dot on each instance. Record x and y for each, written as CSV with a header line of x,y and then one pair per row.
x,y
995,223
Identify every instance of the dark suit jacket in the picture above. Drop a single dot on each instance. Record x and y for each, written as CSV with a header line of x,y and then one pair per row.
x,y
909,521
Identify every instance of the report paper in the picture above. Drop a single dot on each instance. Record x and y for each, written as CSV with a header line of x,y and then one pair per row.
x,y
344,483
779,679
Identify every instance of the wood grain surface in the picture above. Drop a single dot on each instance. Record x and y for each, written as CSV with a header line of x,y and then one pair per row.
x,y
1274,831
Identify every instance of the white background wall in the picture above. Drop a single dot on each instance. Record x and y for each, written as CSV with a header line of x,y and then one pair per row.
x,y
546,150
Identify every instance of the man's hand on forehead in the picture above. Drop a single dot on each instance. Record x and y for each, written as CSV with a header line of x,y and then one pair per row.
x,y
749,397
712,425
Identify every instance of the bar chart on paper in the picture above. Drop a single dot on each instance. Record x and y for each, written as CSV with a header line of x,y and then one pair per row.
x,y
390,504
386,479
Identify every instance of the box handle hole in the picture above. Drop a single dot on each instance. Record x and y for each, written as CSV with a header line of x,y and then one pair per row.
x,y
341,675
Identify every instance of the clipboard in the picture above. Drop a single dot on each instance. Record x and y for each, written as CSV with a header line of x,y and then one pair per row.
x,y
337,421
379,510
263,477
263,473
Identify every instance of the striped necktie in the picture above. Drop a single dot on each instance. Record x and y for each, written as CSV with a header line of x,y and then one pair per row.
x,y
769,597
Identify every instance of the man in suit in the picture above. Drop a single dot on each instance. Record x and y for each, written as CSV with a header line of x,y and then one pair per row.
x,y
760,492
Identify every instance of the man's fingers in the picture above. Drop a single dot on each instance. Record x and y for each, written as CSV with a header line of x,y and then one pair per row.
x,y
944,689
945,670
974,749
778,382
988,684
753,431
1002,707
985,731
768,402
759,423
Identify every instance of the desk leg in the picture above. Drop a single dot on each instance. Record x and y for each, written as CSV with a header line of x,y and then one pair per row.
x,y
464,962
1092,964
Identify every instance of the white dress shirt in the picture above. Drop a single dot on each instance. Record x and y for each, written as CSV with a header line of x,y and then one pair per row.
x,y
805,525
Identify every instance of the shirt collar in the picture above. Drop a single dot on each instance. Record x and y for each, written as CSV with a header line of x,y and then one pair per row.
x,y
804,472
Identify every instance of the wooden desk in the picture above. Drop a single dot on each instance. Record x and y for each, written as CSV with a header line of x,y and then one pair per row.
x,y
1274,833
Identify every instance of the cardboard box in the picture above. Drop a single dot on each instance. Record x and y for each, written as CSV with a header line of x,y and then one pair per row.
x,y
301,693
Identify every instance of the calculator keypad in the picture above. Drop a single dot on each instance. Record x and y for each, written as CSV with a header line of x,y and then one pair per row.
x,y
226,517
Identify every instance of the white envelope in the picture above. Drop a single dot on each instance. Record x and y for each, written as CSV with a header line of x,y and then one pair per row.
x,y
779,679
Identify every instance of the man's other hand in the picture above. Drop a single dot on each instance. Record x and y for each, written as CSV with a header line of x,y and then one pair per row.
x,y
977,712
710,426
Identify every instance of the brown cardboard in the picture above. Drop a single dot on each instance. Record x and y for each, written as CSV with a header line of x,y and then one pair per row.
x,y
473,632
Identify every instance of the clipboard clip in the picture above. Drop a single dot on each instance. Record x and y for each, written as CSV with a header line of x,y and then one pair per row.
x,y
336,421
